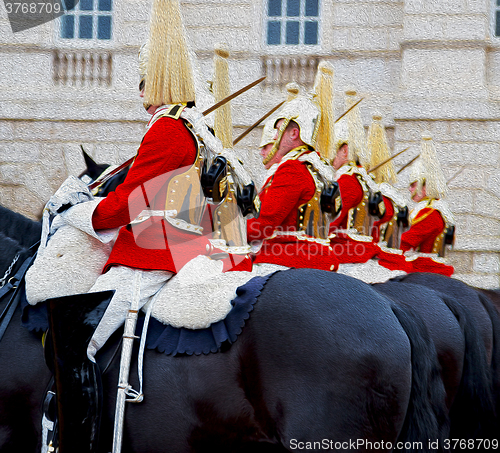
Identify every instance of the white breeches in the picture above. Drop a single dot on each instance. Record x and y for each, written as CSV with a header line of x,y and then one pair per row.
x,y
128,283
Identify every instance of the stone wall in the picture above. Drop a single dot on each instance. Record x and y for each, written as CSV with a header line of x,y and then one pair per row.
x,y
424,65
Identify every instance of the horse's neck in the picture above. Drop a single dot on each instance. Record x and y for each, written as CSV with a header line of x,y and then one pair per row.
x,y
22,230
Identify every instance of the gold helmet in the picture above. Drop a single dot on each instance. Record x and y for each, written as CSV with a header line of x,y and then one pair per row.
x,y
268,132
164,61
378,150
427,170
313,113
305,113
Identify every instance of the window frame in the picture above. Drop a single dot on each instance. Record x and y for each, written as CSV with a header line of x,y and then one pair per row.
x,y
302,18
495,10
85,43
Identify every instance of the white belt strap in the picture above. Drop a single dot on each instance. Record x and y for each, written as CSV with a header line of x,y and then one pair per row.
x,y
148,213
170,217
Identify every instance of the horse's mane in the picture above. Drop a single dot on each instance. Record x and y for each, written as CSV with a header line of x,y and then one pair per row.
x,y
20,229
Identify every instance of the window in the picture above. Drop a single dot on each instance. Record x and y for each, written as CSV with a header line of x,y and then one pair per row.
x,y
497,18
88,19
292,22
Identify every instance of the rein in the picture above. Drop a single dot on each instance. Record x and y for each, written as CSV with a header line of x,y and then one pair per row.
x,y
14,284
3,280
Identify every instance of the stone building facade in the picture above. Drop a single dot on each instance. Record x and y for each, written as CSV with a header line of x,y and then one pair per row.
x,y
425,65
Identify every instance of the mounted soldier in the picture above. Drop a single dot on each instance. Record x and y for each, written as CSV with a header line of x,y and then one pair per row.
x,y
292,229
350,231
156,220
387,228
431,217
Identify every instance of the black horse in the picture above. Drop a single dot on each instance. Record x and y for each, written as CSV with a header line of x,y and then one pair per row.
x,y
462,350
302,370
323,358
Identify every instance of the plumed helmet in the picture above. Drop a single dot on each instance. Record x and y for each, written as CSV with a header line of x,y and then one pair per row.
x,y
268,132
313,113
323,95
304,111
223,123
164,62
378,150
427,170
350,130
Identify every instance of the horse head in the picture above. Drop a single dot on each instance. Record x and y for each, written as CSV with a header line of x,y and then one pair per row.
x,y
94,170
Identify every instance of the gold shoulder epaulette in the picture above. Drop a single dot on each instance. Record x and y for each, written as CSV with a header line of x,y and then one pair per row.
x,y
175,112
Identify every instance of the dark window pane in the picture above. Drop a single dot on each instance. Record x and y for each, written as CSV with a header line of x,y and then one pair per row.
x,y
85,27
273,32
104,5
497,29
310,33
86,5
67,26
104,27
274,8
292,32
293,8
68,5
498,2
312,7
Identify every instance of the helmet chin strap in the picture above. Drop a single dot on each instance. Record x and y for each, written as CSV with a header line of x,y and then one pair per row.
x,y
277,142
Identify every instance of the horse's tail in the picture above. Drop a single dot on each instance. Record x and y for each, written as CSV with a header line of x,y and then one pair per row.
x,y
495,356
472,414
426,415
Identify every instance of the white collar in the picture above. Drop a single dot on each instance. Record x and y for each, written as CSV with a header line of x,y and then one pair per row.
x,y
438,205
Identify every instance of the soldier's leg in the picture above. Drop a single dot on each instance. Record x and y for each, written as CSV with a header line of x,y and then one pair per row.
x,y
126,282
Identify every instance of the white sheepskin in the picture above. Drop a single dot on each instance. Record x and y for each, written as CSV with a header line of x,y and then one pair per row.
x,y
69,264
199,295
369,272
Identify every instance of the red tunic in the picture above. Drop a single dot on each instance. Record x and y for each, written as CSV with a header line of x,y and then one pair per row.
x,y
290,187
167,147
427,225
351,193
347,249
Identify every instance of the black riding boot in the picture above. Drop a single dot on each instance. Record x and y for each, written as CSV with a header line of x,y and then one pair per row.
x,y
72,321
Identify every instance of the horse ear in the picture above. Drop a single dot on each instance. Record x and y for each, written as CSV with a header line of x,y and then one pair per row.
x,y
93,169
89,162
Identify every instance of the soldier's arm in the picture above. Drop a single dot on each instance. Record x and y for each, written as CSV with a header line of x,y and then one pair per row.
x,y
167,146
289,186
419,232
351,193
